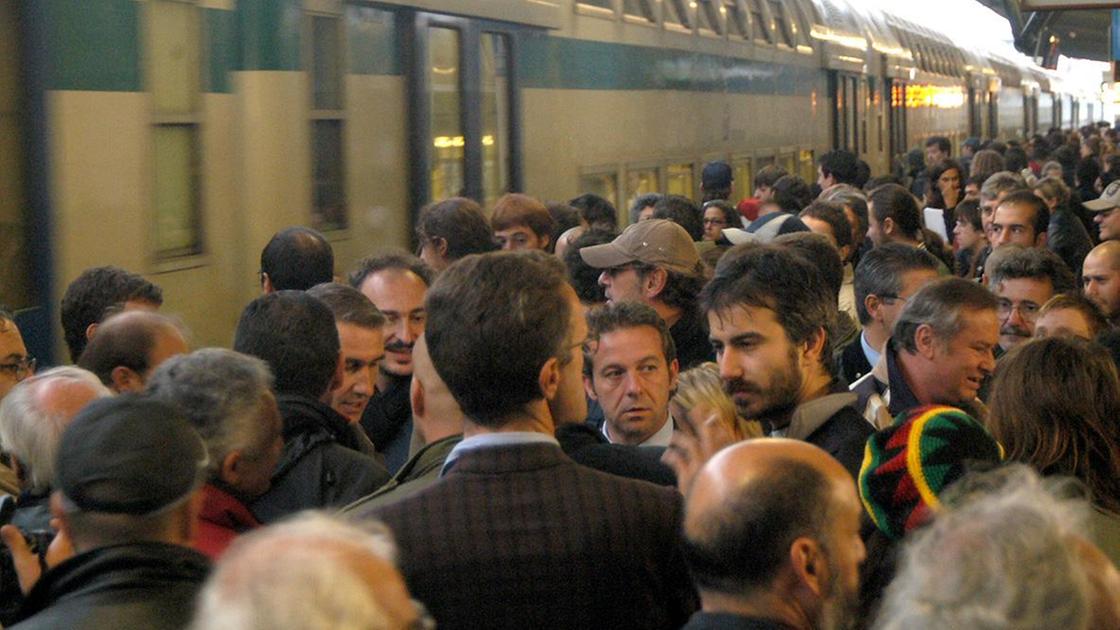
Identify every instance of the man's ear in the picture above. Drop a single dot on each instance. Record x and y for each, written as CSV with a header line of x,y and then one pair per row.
x,y
91,330
815,346
230,469
266,284
888,226
674,372
1040,240
440,244
123,380
653,283
926,341
549,378
871,302
589,388
416,397
809,564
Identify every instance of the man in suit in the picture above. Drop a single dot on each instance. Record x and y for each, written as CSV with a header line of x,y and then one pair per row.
x,y
515,534
886,277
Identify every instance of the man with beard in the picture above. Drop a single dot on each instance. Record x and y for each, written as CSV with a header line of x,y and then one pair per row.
x,y
1023,279
771,319
396,284
779,548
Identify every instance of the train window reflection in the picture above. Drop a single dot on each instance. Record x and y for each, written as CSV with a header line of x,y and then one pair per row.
x,y
737,24
174,79
759,24
781,24
678,179
640,181
708,17
176,191
743,182
446,120
676,13
328,188
495,117
602,183
641,9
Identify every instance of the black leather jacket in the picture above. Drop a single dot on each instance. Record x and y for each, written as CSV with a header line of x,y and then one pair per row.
x,y
137,585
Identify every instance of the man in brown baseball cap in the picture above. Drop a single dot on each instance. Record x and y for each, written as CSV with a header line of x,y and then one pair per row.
x,y
655,262
1106,208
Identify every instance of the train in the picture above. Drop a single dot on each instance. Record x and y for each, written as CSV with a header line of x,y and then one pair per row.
x,y
174,137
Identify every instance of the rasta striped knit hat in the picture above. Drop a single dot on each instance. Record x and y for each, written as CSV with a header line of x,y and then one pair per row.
x,y
907,465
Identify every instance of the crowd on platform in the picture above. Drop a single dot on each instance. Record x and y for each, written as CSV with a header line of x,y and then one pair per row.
x,y
872,402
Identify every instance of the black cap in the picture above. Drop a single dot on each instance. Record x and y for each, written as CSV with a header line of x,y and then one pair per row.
x,y
716,175
129,455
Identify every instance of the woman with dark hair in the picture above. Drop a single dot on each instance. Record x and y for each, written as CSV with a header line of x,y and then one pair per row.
x,y
968,234
1054,406
946,186
719,214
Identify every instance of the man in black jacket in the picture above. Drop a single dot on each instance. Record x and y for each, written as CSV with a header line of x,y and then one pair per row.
x,y
127,478
321,465
771,319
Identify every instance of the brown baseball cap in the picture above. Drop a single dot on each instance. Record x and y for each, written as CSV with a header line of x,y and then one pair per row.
x,y
654,242
1108,200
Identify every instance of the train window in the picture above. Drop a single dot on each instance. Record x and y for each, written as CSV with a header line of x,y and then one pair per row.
x,y
605,7
175,82
807,165
759,25
602,183
447,177
640,181
781,22
736,19
678,180
675,13
495,116
709,16
742,184
328,188
641,10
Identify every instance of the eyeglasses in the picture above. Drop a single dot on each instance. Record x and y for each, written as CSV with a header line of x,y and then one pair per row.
x,y
20,368
714,222
1027,310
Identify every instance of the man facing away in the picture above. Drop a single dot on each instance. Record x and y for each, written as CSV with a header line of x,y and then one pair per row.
x,y
515,534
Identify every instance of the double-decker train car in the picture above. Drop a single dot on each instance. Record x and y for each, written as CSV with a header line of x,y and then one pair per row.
x,y
173,137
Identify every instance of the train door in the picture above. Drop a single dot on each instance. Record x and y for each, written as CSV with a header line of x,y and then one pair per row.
x,y
25,252
464,112
993,114
846,119
897,120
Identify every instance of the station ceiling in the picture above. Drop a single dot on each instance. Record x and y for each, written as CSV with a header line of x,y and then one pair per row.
x,y
1081,33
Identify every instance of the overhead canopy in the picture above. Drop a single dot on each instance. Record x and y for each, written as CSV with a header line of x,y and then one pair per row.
x,y
1081,33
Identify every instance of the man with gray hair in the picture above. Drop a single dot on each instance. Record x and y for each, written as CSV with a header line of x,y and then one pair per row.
x,y
940,352
263,582
1007,554
1023,279
32,418
227,397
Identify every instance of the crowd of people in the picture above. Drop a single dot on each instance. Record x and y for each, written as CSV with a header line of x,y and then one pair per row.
x,y
870,402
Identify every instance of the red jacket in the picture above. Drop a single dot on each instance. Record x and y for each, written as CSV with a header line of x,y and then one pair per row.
x,y
221,519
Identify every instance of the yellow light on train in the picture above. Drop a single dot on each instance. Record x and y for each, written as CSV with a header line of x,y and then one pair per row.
x,y
447,142
829,35
487,141
937,96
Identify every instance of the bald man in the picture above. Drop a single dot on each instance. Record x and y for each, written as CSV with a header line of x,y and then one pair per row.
x,y
1100,275
772,537
129,346
439,423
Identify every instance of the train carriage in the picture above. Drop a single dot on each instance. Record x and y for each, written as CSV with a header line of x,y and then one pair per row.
x,y
173,137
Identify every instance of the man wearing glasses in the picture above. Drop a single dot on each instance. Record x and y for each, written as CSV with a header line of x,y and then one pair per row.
x,y
15,365
1023,279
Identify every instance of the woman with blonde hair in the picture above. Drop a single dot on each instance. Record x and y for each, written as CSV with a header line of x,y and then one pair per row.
x,y
700,396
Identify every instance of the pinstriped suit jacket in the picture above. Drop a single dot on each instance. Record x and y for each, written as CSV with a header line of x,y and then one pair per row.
x,y
520,536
